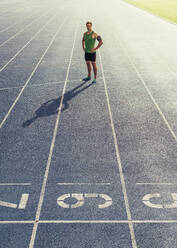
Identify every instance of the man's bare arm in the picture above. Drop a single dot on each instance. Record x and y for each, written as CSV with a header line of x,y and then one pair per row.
x,y
100,42
83,43
99,39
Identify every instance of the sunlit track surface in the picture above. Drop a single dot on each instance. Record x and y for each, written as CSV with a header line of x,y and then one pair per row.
x,y
81,164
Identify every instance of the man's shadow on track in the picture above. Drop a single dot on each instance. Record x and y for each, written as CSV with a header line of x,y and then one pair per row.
x,y
51,107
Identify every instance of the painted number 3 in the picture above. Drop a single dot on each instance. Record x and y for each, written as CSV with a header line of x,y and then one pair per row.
x,y
80,200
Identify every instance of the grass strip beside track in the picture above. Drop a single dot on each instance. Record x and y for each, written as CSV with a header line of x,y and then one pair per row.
x,y
166,9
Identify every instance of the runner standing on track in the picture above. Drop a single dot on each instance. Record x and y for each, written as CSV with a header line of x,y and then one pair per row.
x,y
88,43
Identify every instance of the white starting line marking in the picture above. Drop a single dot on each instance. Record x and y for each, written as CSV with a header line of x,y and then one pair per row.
x,y
89,221
15,184
83,183
156,183
107,221
22,204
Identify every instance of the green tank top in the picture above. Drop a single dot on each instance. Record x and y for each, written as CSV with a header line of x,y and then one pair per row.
x,y
89,42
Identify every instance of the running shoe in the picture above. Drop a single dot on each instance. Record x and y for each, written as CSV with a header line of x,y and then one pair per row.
x,y
86,79
94,81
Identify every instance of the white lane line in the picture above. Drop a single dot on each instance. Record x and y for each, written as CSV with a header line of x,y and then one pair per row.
x,y
156,183
134,245
17,222
7,28
51,148
83,183
16,100
15,184
12,37
147,89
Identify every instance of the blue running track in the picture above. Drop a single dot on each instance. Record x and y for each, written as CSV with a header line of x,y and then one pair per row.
x,y
87,165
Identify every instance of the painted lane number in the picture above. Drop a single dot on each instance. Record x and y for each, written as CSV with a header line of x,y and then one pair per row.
x,y
147,201
80,200
21,205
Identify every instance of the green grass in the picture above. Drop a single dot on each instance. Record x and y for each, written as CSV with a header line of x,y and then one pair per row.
x,y
164,8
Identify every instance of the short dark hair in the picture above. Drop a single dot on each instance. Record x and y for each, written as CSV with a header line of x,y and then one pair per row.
x,y
88,22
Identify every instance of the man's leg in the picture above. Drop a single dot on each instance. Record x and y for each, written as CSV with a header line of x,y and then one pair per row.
x,y
89,68
89,71
95,71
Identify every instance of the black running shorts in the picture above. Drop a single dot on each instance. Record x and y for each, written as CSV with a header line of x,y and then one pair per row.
x,y
90,57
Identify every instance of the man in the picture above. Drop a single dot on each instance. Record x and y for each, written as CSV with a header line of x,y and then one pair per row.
x,y
88,44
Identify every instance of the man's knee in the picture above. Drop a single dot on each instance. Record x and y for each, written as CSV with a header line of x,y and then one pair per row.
x,y
93,63
88,62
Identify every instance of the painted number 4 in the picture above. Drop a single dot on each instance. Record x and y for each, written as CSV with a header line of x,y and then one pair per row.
x,y
21,205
